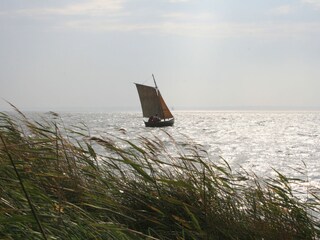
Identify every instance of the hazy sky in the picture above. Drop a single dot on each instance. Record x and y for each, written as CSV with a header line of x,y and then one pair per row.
x,y
205,54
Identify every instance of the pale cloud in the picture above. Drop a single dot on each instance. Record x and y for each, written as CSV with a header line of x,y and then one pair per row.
x,y
112,16
195,29
109,26
89,8
235,30
188,17
178,1
284,10
314,3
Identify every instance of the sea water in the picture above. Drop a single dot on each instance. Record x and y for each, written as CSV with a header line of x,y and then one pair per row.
x,y
257,142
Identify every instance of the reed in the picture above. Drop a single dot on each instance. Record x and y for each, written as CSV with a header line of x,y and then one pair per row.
x,y
59,183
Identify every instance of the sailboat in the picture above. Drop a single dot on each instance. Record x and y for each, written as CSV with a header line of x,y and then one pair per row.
x,y
154,108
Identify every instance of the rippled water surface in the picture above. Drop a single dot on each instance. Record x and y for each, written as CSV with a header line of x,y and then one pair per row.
x,y
254,141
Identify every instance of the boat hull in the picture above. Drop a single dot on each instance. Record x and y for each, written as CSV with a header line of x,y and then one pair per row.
x,y
165,123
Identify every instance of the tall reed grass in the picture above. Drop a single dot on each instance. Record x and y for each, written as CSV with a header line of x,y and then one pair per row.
x,y
55,184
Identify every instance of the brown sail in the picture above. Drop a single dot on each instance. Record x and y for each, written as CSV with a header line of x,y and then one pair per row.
x,y
165,110
152,104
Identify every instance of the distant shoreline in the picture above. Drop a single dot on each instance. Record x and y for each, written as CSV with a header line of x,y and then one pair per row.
x,y
110,110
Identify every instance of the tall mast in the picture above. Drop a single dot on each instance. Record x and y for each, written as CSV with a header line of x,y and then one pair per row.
x,y
155,82
158,94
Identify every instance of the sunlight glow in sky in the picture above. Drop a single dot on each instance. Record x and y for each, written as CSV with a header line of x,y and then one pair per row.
x,y
205,54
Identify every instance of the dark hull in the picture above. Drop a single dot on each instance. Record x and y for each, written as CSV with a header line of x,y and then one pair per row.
x,y
165,123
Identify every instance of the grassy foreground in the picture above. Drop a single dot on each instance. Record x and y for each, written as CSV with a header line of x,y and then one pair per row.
x,y
54,184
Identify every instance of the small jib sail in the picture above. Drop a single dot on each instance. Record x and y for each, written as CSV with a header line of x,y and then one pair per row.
x,y
153,106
